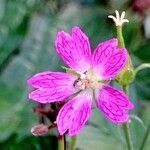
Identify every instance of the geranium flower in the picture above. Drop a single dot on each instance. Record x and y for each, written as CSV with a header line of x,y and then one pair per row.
x,y
93,73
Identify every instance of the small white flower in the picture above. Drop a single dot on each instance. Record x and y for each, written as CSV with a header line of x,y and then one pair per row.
x,y
119,19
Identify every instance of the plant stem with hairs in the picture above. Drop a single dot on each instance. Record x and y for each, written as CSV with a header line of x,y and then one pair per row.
x,y
61,142
125,126
73,142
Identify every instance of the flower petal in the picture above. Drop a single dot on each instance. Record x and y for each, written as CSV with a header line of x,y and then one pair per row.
x,y
52,86
74,114
113,103
74,50
108,59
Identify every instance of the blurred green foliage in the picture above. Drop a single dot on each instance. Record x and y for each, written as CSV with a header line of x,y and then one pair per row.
x,y
30,143
27,33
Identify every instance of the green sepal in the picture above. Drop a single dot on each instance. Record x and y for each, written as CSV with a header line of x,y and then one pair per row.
x,y
125,77
71,71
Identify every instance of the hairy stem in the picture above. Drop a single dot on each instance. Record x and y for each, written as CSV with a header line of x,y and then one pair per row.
x,y
41,117
145,138
73,142
127,135
125,127
61,143
120,37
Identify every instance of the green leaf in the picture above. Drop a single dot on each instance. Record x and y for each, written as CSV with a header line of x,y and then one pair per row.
x,y
100,133
141,67
30,143
132,33
143,52
13,25
37,54
142,84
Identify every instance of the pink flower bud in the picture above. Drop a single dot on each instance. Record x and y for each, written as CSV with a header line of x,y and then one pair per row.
x,y
39,129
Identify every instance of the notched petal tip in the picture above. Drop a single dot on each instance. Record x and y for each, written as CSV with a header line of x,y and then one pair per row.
x,y
30,81
74,49
72,120
114,104
76,28
131,105
109,54
36,98
70,133
61,35
123,120
51,86
114,42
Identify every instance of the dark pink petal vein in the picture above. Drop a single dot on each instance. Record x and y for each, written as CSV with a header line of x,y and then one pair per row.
x,y
108,59
74,49
113,103
51,86
74,114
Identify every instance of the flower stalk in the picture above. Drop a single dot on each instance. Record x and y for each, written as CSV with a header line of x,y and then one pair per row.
x,y
61,143
73,142
120,37
125,127
126,75
119,20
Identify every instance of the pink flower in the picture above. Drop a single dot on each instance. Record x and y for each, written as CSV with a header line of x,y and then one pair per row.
x,y
94,70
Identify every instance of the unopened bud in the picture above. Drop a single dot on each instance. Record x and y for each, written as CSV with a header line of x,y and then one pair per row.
x,y
39,129
126,76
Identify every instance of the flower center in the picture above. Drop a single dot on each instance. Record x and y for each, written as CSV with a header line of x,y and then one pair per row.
x,y
83,84
89,79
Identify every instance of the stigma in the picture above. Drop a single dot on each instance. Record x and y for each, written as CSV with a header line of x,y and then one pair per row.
x,y
88,79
